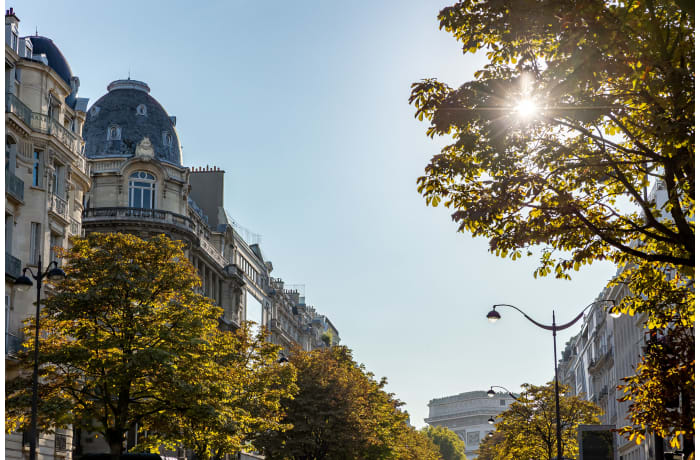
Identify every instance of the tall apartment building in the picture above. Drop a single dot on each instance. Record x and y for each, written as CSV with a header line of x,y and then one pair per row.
x,y
46,178
467,415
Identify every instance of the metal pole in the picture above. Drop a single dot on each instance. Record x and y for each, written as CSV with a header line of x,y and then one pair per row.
x,y
35,376
556,388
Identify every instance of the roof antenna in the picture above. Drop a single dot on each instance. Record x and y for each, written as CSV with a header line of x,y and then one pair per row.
x,y
129,77
36,31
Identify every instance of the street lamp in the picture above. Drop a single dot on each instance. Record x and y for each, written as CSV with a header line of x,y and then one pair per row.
x,y
494,316
23,283
492,393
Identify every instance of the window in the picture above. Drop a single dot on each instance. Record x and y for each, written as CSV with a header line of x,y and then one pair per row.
x,y
503,402
35,243
142,190
167,139
141,109
114,133
36,168
56,242
58,180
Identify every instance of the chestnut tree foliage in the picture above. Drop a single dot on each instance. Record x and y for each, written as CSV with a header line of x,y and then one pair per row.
x,y
451,447
576,141
342,413
527,429
126,340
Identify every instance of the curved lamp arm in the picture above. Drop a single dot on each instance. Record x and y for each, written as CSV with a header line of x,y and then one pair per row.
x,y
555,327
504,388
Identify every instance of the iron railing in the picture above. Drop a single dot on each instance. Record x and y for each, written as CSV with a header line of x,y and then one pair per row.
x,y
13,266
14,105
13,343
158,215
58,206
14,186
43,123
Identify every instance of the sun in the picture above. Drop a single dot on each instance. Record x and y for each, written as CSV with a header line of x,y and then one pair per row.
x,y
526,108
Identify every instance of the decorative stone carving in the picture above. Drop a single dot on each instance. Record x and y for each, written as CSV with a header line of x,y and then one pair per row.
x,y
144,149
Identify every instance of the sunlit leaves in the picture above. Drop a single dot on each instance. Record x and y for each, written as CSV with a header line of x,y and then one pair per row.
x,y
527,429
126,339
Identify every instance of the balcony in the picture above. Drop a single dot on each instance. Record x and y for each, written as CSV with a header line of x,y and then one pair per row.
x,y
59,207
44,124
74,227
15,106
13,344
14,186
138,215
13,266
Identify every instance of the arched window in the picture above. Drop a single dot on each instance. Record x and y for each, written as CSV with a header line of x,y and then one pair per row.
x,y
142,190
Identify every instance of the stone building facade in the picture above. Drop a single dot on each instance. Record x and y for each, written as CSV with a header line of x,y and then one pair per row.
x,y
46,179
467,415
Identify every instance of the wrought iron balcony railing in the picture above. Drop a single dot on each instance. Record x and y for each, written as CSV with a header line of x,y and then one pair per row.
x,y
14,105
13,344
13,266
14,186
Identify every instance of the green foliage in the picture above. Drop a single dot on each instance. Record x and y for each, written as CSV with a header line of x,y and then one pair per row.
x,y
126,339
527,429
339,413
451,447
613,86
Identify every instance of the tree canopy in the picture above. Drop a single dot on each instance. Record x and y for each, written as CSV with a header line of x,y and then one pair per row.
x,y
451,447
576,140
126,340
527,429
342,413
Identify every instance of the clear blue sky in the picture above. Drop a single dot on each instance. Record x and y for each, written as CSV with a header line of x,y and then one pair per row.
x,y
304,105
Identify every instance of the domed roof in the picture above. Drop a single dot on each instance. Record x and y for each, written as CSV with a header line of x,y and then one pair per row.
x,y
123,117
43,45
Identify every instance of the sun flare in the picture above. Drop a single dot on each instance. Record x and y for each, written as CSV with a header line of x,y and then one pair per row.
x,y
526,108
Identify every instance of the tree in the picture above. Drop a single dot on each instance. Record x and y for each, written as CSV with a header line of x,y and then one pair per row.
x,y
662,392
126,340
413,444
527,429
451,447
583,111
239,390
339,413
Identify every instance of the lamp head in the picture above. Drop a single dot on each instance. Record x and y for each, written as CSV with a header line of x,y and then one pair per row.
x,y
491,421
491,393
613,312
56,274
23,283
493,315
490,435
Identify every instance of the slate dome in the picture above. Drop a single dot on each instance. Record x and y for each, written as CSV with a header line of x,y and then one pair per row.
x,y
123,117
56,60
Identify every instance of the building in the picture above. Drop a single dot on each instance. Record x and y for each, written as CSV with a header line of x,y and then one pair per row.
x,y
46,179
117,167
467,415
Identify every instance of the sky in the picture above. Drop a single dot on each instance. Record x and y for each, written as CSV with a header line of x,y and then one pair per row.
x,y
305,106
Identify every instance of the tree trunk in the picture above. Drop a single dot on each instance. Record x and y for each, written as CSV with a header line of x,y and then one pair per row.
x,y
115,439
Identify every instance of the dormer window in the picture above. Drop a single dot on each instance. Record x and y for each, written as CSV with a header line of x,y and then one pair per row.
x,y
94,111
167,139
141,109
114,133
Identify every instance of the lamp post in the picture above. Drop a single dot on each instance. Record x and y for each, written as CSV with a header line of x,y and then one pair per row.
x,y
494,316
492,393
23,283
